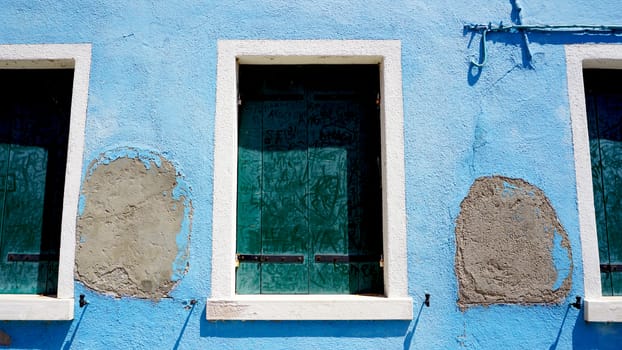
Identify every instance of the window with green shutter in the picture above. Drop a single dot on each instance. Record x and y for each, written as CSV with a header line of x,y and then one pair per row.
x,y
34,129
309,206
603,96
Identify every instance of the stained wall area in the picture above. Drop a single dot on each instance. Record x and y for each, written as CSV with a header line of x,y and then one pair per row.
x,y
501,270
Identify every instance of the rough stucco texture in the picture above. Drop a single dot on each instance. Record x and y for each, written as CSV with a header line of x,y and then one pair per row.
x,y
127,231
511,247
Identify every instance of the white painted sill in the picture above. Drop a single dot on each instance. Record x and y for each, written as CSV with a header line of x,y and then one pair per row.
x,y
309,307
603,309
25,307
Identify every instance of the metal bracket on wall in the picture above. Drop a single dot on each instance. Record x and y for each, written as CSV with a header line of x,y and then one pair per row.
x,y
339,258
577,303
83,301
522,29
264,258
14,257
610,267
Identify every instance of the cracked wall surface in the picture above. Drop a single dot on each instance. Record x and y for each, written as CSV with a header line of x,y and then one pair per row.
x,y
128,230
510,246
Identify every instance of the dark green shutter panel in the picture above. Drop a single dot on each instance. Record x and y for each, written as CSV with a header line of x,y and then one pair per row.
x,y
309,180
604,111
284,215
23,172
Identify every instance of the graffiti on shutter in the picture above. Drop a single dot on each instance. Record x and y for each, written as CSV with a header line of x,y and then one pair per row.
x,y
308,179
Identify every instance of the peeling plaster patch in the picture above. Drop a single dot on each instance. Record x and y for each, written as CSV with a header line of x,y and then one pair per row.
x,y
146,157
510,246
134,228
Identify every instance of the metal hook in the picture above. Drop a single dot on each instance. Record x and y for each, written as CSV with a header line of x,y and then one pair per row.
x,y
83,301
190,304
484,55
577,303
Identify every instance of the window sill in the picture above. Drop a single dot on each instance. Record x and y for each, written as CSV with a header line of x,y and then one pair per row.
x,y
309,307
35,307
603,309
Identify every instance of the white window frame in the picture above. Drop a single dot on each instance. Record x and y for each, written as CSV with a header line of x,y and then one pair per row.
x,y
598,308
51,56
224,303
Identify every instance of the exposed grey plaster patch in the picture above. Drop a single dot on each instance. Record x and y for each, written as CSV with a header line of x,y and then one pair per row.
x,y
505,251
127,232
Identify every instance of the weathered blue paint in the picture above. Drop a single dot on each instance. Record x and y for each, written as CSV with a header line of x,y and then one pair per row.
x,y
81,204
153,87
560,259
180,264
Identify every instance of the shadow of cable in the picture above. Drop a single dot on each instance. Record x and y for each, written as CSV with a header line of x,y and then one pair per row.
x,y
561,328
75,331
411,330
183,328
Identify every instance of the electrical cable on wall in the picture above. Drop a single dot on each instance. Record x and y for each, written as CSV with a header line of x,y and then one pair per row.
x,y
519,27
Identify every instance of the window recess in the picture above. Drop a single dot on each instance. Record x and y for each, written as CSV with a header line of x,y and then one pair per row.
x,y
42,114
603,97
309,180
34,130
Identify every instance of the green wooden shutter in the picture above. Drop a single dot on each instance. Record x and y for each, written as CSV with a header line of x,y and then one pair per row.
x,y
604,111
309,180
23,170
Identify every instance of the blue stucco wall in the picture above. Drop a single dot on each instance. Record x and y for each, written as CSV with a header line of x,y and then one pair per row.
x,y
152,87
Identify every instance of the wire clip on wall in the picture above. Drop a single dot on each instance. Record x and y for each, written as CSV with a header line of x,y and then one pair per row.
x,y
577,303
522,29
83,301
